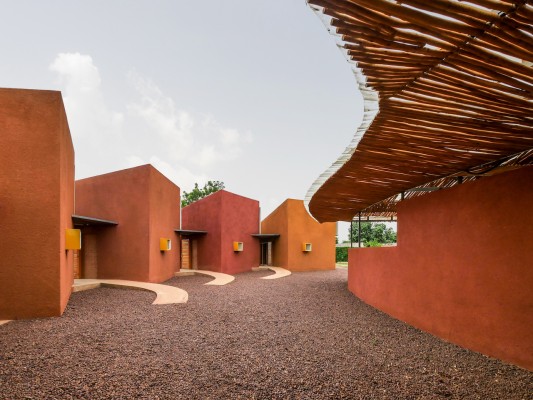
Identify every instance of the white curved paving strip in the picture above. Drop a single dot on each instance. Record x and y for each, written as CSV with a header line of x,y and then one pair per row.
x,y
5,321
165,294
220,278
279,272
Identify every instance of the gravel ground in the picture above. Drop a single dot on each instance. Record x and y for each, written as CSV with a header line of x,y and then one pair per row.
x,y
300,337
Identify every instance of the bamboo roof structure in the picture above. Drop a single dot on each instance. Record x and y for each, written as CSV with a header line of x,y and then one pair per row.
x,y
448,91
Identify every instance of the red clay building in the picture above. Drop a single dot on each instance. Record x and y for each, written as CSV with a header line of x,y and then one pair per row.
x,y
36,204
145,206
217,233
303,244
462,267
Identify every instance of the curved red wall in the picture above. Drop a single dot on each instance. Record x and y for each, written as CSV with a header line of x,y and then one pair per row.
x,y
463,267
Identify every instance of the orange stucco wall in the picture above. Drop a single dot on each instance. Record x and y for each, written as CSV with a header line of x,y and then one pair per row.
x,y
226,217
462,269
36,204
277,222
146,206
239,220
295,226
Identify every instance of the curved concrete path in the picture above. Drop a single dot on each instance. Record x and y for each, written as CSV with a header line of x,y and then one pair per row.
x,y
279,272
220,278
4,321
165,294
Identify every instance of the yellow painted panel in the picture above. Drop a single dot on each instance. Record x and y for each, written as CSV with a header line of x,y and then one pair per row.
x,y
238,246
307,247
165,244
73,239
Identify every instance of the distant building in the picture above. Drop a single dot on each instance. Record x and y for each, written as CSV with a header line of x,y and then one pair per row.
x,y
348,244
216,233
136,240
303,244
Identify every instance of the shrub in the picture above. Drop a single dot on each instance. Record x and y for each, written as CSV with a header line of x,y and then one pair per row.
x,y
341,254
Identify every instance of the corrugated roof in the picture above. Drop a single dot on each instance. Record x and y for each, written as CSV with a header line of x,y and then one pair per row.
x,y
448,90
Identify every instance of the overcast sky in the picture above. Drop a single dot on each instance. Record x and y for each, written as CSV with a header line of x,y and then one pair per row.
x,y
250,92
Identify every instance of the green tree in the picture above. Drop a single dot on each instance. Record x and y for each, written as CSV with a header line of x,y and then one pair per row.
x,y
199,193
373,234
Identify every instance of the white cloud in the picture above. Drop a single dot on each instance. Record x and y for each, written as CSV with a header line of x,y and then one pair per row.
x,y
229,136
184,146
164,121
196,139
95,129
180,175
232,143
134,161
206,157
84,102
269,206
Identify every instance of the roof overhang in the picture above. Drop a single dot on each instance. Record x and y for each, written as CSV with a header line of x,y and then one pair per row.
x,y
266,237
447,87
80,220
188,232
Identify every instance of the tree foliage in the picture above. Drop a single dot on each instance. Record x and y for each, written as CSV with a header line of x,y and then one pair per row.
x,y
373,234
341,254
199,193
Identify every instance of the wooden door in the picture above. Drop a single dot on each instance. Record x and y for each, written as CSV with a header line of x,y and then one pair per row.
x,y
90,257
185,254
194,254
76,264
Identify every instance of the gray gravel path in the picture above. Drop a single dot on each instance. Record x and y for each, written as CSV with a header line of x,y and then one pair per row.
x,y
300,337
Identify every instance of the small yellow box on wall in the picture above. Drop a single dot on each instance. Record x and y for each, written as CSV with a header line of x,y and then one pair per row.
x,y
73,239
165,244
238,246
307,247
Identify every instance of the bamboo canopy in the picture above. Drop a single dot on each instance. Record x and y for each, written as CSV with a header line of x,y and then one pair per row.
x,y
448,91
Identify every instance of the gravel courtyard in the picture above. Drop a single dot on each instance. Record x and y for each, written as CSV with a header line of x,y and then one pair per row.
x,y
300,337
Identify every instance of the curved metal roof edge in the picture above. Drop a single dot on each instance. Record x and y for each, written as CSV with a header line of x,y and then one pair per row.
x,y
371,109
345,157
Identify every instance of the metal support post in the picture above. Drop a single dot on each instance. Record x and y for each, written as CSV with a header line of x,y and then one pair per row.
x,y
359,229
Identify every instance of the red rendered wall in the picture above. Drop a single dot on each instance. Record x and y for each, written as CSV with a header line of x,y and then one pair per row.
x,y
165,198
226,217
36,204
204,215
295,226
462,269
240,219
146,206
